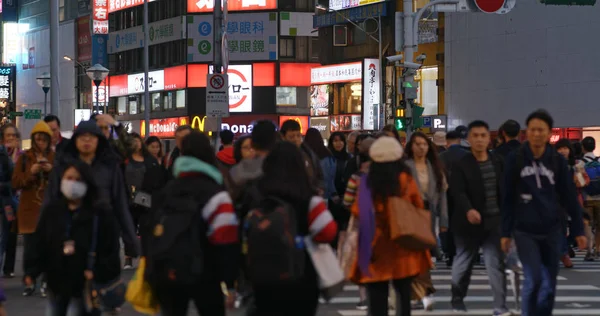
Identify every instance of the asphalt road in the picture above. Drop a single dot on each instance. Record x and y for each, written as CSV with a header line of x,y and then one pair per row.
x,y
578,294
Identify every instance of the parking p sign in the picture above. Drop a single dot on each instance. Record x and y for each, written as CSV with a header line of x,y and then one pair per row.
x,y
435,122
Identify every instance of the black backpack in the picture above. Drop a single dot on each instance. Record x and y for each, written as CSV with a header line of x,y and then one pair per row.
x,y
276,254
175,254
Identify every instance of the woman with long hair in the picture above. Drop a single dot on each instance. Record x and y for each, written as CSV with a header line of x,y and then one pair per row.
x,y
144,176
242,148
155,148
388,177
428,172
61,245
563,146
11,150
31,177
314,141
285,178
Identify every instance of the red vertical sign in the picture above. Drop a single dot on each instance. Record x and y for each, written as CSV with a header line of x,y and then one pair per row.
x,y
100,17
84,41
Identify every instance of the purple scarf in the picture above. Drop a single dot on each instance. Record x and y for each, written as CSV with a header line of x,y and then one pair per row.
x,y
366,230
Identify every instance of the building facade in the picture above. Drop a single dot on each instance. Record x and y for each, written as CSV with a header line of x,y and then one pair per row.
x,y
500,67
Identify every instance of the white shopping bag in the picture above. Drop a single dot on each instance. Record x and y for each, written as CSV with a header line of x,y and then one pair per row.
x,y
331,276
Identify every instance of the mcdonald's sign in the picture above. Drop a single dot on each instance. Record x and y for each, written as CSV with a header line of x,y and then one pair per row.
x,y
198,123
163,128
302,120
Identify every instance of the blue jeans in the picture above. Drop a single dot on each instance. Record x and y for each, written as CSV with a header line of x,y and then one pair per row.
x,y
539,256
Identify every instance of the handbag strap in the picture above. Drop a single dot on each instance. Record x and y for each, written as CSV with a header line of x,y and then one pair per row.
x,y
91,262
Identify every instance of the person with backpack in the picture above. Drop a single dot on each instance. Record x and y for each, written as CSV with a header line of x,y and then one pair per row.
x,y
194,248
592,194
282,274
74,228
537,185
476,192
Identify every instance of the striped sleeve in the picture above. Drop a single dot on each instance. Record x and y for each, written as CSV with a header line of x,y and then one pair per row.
x,y
222,223
321,225
350,194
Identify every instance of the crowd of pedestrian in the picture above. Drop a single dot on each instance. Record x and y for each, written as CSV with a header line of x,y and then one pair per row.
x,y
241,225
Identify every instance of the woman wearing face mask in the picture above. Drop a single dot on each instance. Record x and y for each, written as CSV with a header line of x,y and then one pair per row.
x,y
31,177
428,172
61,244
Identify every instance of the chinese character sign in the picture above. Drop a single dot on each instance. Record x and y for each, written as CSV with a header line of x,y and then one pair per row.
x,y
251,36
197,6
100,17
160,32
372,90
7,84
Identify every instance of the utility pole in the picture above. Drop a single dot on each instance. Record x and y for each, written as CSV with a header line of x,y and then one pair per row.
x,y
407,35
146,70
217,53
54,57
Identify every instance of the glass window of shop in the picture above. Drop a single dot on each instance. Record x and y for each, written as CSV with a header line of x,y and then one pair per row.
x,y
347,98
286,96
428,92
160,101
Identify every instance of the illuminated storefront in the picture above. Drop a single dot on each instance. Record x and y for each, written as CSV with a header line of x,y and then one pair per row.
x,y
350,90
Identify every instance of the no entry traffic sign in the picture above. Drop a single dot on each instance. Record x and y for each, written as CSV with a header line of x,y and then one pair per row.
x,y
217,95
217,81
490,6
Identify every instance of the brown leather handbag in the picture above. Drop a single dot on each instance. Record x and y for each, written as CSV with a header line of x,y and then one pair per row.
x,y
410,226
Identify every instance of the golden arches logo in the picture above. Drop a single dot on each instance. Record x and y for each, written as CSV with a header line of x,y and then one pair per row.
x,y
198,123
143,128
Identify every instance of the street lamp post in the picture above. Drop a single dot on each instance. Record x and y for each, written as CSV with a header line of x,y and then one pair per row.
x,y
44,81
78,87
97,74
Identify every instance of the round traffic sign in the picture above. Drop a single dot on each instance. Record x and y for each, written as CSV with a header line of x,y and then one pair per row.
x,y
225,52
217,81
490,6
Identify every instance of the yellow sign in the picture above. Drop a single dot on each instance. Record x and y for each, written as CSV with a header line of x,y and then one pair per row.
x,y
198,123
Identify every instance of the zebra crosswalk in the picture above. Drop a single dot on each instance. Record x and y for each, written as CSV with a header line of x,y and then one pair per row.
x,y
578,293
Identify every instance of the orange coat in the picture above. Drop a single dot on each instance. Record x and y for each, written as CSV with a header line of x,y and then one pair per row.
x,y
390,261
32,190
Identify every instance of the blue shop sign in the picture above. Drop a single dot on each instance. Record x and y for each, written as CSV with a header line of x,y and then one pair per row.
x,y
9,10
99,49
355,15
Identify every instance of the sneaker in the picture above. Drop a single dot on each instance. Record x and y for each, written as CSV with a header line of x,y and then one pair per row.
x,y
416,305
428,302
566,261
588,257
29,291
571,253
9,275
362,306
128,264
459,307
502,312
43,290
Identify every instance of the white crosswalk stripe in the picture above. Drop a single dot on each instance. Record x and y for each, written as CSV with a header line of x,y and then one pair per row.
x,y
572,298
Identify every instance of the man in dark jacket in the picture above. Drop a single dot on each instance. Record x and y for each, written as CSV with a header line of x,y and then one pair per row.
x,y
510,132
538,185
292,132
58,142
91,146
180,133
449,158
476,183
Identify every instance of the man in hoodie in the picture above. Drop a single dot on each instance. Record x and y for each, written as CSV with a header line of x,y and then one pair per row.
x,y
510,130
291,132
225,155
537,186
90,145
